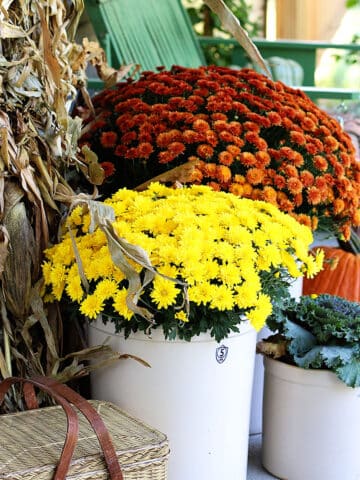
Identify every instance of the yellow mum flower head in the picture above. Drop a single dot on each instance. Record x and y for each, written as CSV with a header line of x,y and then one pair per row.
x,y
182,316
120,304
164,293
91,306
74,288
226,257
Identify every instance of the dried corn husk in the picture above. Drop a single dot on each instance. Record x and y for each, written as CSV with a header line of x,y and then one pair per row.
x,y
232,25
41,73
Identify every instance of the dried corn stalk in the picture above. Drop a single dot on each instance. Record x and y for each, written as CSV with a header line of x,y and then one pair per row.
x,y
41,71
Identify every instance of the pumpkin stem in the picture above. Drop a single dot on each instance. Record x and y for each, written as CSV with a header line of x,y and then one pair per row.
x,y
353,245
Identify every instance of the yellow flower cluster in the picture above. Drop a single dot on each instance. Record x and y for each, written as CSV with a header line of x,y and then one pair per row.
x,y
218,244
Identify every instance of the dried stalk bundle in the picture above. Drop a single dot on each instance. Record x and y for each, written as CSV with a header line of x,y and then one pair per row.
x,y
41,71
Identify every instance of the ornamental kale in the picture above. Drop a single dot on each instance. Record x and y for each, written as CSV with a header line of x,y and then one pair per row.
x,y
320,332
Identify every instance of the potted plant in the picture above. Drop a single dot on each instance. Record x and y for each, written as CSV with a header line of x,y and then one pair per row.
x,y
182,276
242,132
312,389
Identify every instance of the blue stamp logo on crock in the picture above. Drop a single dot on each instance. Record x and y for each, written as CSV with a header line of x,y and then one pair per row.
x,y
221,353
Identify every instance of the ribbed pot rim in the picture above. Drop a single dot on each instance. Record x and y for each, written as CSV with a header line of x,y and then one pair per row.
x,y
315,377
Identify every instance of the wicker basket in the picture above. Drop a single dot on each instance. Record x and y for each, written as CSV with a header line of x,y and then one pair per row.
x,y
31,444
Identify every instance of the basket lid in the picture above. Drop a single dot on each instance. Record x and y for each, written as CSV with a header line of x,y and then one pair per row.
x,y
31,442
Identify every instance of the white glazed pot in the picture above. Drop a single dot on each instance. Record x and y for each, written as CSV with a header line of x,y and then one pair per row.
x,y
311,424
198,393
295,291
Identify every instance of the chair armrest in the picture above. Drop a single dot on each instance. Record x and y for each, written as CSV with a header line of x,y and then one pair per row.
x,y
304,52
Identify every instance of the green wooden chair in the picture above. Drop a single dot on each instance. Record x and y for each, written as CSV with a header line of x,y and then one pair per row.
x,y
150,32
159,33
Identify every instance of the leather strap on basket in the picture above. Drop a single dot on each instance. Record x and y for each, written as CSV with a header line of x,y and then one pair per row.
x,y
93,418
63,395
72,419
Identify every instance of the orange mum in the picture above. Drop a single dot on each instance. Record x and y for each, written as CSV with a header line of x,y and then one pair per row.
x,y
223,173
225,158
240,124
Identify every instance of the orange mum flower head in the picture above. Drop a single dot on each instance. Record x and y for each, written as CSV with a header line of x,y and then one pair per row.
x,y
269,195
225,158
237,189
235,128
128,138
298,199
190,136
145,149
255,176
209,170
314,223
211,138
205,151
223,173
239,179
220,125
108,167
356,218
197,176
177,148
290,171
166,156
234,150
165,138
294,185
215,186
331,144
108,139
247,190
338,206
262,159
307,178
248,159
297,137
252,127
226,136
346,231
201,125
284,202
279,182
313,195
238,122
304,219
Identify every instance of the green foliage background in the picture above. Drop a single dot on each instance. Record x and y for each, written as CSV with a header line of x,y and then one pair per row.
x,y
206,23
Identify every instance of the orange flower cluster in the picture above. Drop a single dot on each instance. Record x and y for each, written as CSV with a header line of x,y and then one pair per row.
x,y
247,134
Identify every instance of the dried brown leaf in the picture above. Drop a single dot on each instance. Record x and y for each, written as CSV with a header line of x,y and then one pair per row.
x,y
7,30
182,174
95,55
274,346
77,7
232,24
17,274
39,315
46,196
3,366
95,172
9,148
50,59
4,247
81,271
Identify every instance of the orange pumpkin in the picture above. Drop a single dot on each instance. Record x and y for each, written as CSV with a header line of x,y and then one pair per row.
x,y
340,276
